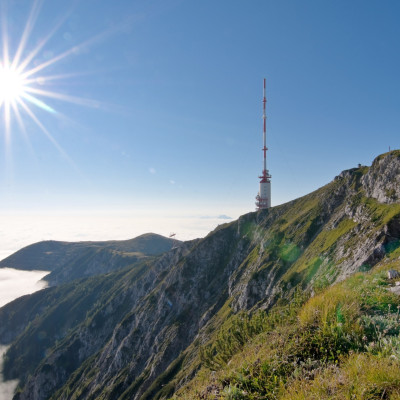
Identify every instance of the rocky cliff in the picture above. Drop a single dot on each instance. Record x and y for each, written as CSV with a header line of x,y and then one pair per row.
x,y
136,333
382,181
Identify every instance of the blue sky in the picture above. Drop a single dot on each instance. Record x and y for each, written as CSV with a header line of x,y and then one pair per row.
x,y
168,111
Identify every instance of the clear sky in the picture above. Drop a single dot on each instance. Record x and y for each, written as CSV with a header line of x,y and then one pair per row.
x,y
154,106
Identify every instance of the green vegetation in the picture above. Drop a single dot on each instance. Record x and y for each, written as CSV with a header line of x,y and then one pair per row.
x,y
241,328
360,376
393,153
342,343
380,213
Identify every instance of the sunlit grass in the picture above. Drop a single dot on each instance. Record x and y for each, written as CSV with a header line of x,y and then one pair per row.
x,y
342,343
361,376
337,308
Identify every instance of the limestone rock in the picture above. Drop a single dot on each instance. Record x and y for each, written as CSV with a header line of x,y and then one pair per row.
x,y
393,274
382,181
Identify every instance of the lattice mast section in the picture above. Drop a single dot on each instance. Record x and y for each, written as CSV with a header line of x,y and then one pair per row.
x,y
263,198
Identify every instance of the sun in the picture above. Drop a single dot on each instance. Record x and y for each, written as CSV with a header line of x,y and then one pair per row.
x,y
12,85
29,92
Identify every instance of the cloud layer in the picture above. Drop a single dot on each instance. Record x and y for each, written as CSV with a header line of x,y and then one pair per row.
x,y
14,283
6,388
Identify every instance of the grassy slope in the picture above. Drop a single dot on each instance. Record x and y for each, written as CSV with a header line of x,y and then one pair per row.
x,y
343,342
301,240
297,238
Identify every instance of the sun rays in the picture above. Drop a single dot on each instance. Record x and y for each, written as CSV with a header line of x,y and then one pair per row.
x,y
28,83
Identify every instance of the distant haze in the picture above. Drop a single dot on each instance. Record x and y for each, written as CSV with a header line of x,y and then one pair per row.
x,y
18,230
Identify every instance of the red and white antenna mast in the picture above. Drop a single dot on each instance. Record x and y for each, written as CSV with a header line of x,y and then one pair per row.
x,y
263,198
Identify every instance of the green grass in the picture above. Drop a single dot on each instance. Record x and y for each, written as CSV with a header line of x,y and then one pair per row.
x,y
360,376
260,360
341,342
381,213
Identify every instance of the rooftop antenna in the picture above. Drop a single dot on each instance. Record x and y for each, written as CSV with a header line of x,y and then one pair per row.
x,y
263,198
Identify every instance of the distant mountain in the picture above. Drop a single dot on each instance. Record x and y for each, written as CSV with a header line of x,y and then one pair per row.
x,y
72,260
228,316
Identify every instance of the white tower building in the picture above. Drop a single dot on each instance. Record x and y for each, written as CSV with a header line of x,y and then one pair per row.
x,y
263,198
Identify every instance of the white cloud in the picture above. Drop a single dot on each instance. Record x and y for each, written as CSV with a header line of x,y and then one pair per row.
x,y
6,388
15,283
172,182
152,170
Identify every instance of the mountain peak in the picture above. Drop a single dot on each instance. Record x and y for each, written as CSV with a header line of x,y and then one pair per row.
x,y
382,181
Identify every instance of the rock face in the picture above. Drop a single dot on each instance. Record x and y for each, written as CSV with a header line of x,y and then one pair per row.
x,y
393,274
135,333
382,181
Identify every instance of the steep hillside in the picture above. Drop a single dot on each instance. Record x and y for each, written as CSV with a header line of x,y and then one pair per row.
x,y
342,343
71,260
148,328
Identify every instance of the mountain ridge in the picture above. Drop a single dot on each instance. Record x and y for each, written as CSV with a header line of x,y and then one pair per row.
x,y
67,261
144,328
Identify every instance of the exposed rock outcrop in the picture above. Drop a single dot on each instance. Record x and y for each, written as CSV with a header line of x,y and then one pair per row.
x,y
382,181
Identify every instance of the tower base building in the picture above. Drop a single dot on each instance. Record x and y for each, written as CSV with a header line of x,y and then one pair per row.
x,y
263,198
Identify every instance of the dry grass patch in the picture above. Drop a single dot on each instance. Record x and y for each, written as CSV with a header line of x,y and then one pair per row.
x,y
361,377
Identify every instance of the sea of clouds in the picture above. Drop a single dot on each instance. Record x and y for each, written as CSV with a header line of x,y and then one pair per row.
x,y
20,230
13,284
